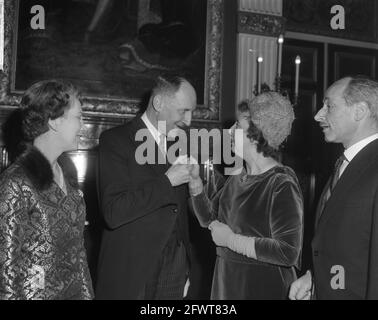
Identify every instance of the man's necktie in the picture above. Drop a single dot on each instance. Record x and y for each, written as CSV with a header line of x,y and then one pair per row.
x,y
335,176
327,193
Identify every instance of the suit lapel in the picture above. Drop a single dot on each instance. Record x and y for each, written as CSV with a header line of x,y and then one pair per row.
x,y
350,176
322,204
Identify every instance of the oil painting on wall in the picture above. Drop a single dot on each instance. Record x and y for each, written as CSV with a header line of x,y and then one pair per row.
x,y
112,48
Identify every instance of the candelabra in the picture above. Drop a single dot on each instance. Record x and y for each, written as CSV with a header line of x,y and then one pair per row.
x,y
208,170
264,87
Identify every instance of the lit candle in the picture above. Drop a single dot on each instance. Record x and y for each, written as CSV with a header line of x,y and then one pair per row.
x,y
251,51
4,159
212,177
259,64
208,171
297,65
279,67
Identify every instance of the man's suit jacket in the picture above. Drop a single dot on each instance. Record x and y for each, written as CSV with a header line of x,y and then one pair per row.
x,y
346,233
140,208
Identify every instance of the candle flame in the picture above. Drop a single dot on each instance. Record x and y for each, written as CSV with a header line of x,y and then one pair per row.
x,y
260,59
281,39
298,60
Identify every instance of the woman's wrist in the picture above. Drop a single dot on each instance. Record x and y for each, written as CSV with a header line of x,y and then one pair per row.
x,y
230,242
242,244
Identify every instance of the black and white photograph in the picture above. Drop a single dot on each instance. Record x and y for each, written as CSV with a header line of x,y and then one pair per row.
x,y
189,151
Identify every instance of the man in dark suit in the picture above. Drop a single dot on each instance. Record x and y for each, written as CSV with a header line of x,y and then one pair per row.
x,y
145,247
345,244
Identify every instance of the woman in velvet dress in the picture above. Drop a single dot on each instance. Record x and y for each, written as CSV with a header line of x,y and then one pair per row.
x,y
256,217
42,211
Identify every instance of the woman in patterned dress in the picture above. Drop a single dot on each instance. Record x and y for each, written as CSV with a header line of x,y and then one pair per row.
x,y
42,211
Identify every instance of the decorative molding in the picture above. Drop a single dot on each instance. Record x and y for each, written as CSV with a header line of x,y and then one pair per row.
x,y
1,34
272,7
94,124
126,107
249,48
260,24
214,62
9,24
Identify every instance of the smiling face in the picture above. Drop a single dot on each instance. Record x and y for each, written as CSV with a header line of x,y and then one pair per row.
x,y
336,118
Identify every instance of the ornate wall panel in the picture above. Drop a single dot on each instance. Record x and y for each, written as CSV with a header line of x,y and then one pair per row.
x,y
263,24
249,48
272,7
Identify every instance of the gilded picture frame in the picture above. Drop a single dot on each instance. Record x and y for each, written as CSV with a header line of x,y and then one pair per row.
x,y
124,106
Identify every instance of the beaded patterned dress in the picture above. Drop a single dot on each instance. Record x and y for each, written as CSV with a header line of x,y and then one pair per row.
x,y
42,254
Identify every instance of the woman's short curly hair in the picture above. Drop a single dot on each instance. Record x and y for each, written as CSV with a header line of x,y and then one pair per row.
x,y
263,147
44,100
255,134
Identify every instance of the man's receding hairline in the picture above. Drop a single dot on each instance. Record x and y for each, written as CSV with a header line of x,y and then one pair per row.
x,y
172,91
341,82
183,85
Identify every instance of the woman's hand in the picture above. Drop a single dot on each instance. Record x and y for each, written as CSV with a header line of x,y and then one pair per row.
x,y
301,289
220,233
195,182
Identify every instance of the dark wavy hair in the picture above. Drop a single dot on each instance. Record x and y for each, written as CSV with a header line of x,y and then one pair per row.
x,y
255,134
44,100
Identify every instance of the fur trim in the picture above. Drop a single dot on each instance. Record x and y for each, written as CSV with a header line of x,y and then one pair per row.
x,y
39,171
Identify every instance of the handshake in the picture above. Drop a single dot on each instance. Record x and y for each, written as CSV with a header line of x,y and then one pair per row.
x,y
185,170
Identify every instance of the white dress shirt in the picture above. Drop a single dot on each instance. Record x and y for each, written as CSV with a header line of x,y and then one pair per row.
x,y
158,136
353,150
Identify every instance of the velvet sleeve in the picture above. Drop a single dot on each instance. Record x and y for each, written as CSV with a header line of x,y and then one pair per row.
x,y
205,205
286,227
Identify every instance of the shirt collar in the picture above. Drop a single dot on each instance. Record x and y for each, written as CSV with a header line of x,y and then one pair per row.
x,y
352,151
155,133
